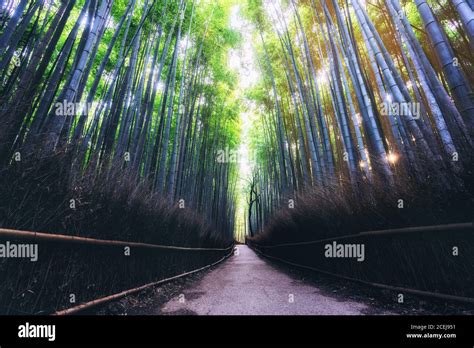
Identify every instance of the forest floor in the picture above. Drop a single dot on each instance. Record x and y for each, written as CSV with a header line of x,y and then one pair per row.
x,y
247,284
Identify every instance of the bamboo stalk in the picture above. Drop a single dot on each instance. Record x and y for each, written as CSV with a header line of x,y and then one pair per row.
x,y
102,300
378,285
447,227
49,237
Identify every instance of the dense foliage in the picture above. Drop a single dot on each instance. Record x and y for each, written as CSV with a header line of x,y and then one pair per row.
x,y
132,87
362,104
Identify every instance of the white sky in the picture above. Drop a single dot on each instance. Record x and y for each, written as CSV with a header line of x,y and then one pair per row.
x,y
243,61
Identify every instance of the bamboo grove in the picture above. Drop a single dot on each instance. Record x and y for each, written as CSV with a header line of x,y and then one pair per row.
x,y
135,86
367,93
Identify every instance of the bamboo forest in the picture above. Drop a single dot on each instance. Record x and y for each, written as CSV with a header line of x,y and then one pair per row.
x,y
205,123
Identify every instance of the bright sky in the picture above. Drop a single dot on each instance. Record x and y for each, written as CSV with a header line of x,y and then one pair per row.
x,y
243,61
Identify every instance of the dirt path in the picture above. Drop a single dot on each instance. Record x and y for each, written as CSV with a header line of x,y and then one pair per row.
x,y
247,284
